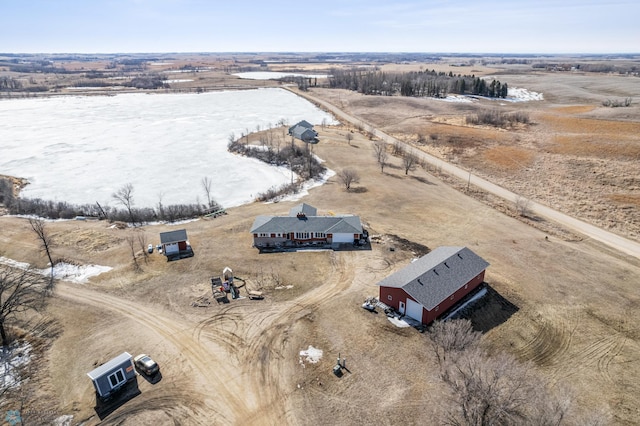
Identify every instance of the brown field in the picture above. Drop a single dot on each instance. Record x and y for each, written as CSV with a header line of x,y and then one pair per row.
x,y
569,306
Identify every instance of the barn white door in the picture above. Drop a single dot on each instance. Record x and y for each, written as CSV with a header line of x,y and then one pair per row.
x,y
401,308
414,310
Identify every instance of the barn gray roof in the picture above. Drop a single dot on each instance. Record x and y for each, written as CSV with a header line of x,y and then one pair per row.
x,y
173,236
434,277
109,365
324,224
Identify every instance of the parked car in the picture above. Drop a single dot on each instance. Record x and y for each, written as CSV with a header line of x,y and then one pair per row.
x,y
150,248
146,365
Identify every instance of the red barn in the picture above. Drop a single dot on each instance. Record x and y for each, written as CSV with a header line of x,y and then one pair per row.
x,y
426,288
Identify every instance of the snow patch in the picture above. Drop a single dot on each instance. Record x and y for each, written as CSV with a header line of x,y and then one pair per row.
x,y
63,271
14,356
311,355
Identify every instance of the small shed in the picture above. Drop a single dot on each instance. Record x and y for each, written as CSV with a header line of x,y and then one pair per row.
x,y
175,244
112,375
428,287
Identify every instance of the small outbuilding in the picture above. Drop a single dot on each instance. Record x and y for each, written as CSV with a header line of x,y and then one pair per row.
x,y
112,375
175,244
428,287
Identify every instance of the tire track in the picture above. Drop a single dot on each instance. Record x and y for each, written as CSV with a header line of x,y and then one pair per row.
x,y
206,363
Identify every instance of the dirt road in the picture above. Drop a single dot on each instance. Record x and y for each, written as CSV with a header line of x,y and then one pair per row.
x,y
613,240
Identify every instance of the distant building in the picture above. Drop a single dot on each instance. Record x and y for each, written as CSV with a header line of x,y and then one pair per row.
x,y
175,244
304,131
112,375
303,227
426,288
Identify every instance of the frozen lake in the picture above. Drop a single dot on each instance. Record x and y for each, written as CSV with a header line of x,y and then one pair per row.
x,y
83,149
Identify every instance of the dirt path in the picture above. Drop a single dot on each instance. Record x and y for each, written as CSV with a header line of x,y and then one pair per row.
x,y
240,352
613,240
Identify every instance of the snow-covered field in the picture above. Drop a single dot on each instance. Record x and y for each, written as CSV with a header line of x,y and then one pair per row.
x,y
83,149
272,75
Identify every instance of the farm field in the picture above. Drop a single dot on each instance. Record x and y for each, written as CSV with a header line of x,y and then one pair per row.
x,y
565,304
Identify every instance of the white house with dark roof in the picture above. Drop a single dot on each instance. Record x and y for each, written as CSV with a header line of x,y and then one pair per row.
x,y
428,287
175,244
303,227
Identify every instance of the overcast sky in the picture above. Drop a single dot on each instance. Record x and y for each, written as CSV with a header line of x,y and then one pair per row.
x,y
462,26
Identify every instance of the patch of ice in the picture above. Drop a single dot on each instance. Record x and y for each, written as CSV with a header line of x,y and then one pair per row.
x,y
183,80
312,355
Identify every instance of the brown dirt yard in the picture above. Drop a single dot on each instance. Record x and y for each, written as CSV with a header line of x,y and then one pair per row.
x,y
569,306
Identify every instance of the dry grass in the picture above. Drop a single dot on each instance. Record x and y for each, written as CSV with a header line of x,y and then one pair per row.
x,y
574,109
509,158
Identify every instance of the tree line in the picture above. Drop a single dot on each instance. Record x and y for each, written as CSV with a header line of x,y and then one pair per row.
x,y
415,83
124,196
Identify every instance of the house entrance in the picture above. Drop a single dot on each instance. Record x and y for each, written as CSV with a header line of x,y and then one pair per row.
x,y
401,308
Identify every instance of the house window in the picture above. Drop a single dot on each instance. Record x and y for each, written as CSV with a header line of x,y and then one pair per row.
x,y
117,378
264,234
302,235
320,235
389,297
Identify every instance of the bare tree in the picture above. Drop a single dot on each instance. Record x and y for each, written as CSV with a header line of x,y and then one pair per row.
x,y
492,388
20,291
349,137
348,176
124,196
381,154
46,242
142,241
523,206
206,185
132,246
410,161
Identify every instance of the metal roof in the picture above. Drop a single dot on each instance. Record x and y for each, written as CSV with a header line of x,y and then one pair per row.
x,y
324,224
434,277
109,365
173,236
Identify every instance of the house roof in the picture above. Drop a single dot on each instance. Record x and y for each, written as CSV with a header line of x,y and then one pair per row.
x,y
433,278
109,365
303,123
304,134
173,236
324,224
303,208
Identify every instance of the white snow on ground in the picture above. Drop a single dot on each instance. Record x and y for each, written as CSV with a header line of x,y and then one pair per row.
x,y
398,322
312,355
85,148
15,356
184,80
475,298
272,75
514,94
518,94
62,271
64,420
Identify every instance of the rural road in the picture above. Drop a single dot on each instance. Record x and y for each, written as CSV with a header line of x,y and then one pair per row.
x,y
615,241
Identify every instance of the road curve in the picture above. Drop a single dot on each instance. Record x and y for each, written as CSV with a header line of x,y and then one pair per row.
x,y
615,241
